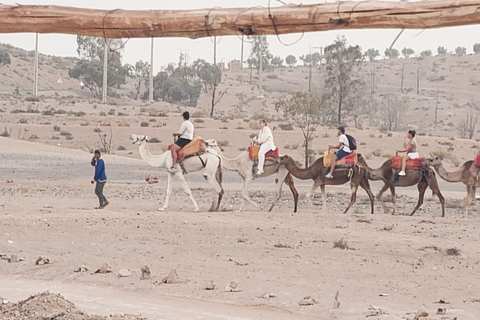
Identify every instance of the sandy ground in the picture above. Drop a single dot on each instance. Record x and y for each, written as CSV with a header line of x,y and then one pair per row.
x,y
394,264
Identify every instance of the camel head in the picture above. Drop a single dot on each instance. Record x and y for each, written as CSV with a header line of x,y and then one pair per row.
x,y
286,159
434,162
137,139
212,143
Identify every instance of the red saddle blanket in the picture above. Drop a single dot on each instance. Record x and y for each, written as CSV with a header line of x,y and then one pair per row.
x,y
411,164
253,153
197,145
350,159
477,160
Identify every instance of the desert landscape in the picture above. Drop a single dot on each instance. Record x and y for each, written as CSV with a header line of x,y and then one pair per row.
x,y
131,261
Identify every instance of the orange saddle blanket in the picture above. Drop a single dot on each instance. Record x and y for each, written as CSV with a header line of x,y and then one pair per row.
x,y
197,145
253,152
411,164
477,160
351,159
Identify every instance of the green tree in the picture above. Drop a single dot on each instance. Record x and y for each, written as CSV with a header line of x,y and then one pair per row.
x,y
460,51
311,59
340,82
371,54
290,60
277,62
4,58
407,52
441,51
426,53
302,110
90,68
211,76
140,73
476,48
392,53
260,48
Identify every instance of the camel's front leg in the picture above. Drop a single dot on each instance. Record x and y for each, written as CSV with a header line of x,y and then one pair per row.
x,y
218,190
324,198
188,191
168,193
366,186
353,198
278,192
245,196
422,187
469,198
380,198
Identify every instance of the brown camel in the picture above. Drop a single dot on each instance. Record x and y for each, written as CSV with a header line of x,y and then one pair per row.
x,y
467,174
356,175
421,178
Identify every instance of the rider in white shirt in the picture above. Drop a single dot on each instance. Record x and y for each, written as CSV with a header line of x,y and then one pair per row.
x,y
344,150
185,135
265,140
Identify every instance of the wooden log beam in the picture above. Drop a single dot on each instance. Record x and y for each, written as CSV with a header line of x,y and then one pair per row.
x,y
236,21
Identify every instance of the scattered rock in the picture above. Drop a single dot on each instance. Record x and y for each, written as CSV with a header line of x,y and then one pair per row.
x,y
13,258
41,261
151,179
82,268
123,273
336,303
232,287
269,296
307,301
210,285
420,313
106,268
241,264
146,275
171,278
9,181
375,311
3,256
441,310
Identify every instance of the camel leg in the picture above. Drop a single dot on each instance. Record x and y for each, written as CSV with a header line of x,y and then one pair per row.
x,y
469,198
366,186
289,180
279,184
394,199
324,198
433,184
217,187
422,187
353,198
316,183
245,195
188,191
380,198
168,194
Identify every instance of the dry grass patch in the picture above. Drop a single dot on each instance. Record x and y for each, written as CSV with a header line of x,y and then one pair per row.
x,y
342,244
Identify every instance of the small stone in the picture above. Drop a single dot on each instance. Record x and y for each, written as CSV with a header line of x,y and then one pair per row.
x,y
123,273
232,287
210,285
420,313
151,179
41,261
106,268
307,301
146,275
171,278
13,258
82,268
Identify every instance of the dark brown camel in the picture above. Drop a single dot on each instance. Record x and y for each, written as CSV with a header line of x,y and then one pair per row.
x,y
356,175
467,174
422,179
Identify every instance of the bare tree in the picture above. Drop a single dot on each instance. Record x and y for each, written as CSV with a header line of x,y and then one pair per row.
x,y
436,109
392,110
403,74
420,74
467,126
106,141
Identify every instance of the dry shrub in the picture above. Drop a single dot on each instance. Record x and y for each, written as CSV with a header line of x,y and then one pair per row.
x,y
144,124
285,126
341,244
120,148
452,252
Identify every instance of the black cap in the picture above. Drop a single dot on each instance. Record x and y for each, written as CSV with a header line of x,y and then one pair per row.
x,y
97,151
342,129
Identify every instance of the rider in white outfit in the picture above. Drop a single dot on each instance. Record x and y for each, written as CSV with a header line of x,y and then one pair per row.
x,y
265,140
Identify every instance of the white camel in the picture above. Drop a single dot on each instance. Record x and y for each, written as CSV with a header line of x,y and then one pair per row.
x,y
243,165
211,166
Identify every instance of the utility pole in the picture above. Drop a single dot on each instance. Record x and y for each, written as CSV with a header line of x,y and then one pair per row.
x,y
260,61
105,68
241,56
214,50
35,81
310,72
150,78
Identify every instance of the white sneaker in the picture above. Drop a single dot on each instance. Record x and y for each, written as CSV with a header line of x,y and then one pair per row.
x,y
172,169
402,173
329,176
259,172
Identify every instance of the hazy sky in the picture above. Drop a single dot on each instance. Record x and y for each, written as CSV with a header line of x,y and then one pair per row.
x,y
168,49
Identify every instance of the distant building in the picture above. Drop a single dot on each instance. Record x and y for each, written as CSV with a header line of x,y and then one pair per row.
x,y
235,66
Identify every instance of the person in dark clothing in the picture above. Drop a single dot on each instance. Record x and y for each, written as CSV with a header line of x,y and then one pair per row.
x,y
100,178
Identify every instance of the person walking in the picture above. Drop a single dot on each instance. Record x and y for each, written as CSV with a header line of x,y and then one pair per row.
x,y
185,135
100,178
265,140
411,148
344,150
